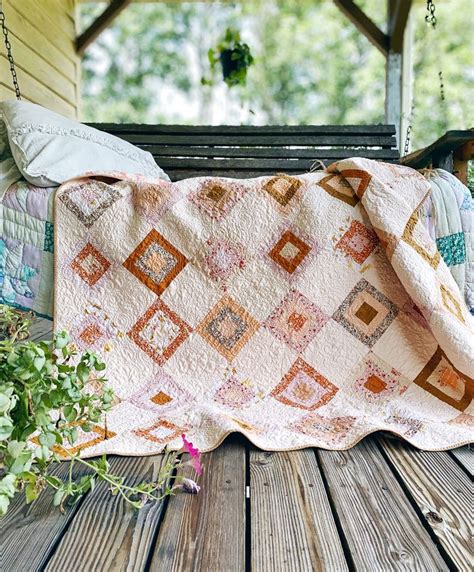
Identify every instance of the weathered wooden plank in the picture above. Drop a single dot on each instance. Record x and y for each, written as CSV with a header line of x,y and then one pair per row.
x,y
248,164
444,146
465,457
30,62
259,140
382,529
237,164
161,129
270,152
43,19
292,526
61,12
38,42
28,533
6,92
443,493
207,531
108,534
36,91
180,174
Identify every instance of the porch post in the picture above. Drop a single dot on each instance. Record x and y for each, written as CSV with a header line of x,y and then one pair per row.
x,y
393,92
397,70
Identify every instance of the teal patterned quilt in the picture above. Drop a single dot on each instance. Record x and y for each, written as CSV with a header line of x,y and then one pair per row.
x,y
26,241
26,248
450,213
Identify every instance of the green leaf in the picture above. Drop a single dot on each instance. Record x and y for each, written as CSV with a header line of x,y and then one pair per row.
x,y
6,428
61,340
4,403
53,481
15,448
21,463
58,497
83,372
12,358
4,503
39,363
7,485
47,439
31,493
25,375
70,413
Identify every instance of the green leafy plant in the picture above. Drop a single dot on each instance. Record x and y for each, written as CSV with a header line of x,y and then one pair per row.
x,y
45,400
234,57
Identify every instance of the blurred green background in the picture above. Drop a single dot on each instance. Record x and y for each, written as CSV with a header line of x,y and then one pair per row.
x,y
312,66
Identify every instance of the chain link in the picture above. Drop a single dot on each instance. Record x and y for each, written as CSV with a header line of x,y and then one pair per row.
x,y
430,17
11,61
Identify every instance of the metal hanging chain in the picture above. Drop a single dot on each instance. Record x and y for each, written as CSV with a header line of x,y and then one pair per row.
x,y
441,86
409,128
11,61
430,17
407,140
431,20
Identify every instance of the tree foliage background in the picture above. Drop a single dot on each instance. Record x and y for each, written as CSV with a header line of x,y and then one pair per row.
x,y
311,65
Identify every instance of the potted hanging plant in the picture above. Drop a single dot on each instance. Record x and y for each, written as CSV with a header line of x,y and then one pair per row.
x,y
233,56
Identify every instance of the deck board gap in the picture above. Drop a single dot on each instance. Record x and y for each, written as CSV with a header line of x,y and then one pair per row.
x,y
345,545
156,534
248,523
56,542
461,464
421,517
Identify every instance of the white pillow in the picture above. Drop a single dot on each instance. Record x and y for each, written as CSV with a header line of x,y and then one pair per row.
x,y
50,149
9,172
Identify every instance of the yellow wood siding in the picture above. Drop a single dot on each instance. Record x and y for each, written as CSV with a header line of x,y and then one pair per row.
x,y
42,35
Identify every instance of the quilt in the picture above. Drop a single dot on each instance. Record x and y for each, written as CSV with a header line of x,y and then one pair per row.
x,y
26,248
26,240
300,311
450,220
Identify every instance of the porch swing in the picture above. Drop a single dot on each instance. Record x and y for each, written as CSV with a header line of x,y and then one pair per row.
x,y
252,151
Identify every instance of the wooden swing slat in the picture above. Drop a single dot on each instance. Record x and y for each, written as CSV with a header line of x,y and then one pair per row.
x,y
276,165
252,151
260,140
268,152
134,128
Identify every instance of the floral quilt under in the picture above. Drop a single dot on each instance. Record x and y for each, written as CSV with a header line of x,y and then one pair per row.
x,y
301,311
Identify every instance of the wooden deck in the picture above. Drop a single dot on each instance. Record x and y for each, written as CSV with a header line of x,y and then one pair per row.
x,y
380,506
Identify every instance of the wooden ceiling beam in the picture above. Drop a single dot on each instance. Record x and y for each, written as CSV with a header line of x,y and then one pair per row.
x,y
363,23
100,24
399,12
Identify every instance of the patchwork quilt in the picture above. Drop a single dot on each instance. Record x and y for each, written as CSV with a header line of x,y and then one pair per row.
x,y
26,248
26,241
301,311
450,220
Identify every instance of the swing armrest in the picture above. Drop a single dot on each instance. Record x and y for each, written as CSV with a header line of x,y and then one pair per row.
x,y
453,148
